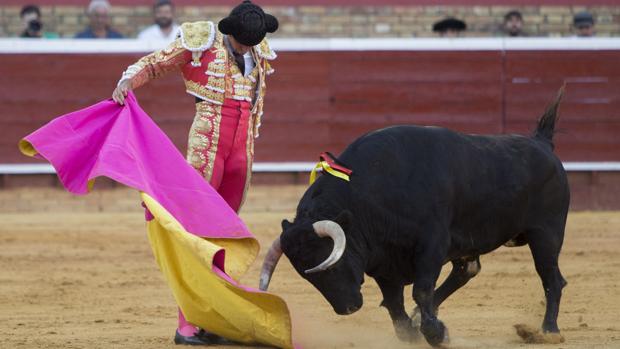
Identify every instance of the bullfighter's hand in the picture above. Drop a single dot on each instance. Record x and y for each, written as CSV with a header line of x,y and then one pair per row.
x,y
120,92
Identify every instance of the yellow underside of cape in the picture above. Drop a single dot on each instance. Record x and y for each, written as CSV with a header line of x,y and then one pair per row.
x,y
206,299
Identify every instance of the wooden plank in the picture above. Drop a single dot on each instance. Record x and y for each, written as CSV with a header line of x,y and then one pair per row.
x,y
547,65
416,66
589,114
591,102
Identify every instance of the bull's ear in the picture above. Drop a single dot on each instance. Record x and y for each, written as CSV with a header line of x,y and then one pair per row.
x,y
286,224
344,219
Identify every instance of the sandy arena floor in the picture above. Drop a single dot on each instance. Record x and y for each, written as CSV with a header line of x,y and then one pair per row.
x,y
77,272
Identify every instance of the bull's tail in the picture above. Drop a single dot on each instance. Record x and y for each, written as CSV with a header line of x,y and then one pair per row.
x,y
546,124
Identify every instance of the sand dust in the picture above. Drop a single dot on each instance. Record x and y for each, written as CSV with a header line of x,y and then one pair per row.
x,y
533,335
77,272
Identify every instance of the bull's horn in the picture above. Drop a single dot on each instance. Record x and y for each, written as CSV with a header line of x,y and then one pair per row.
x,y
333,230
269,265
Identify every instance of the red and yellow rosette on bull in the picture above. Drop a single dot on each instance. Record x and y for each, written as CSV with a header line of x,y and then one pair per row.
x,y
327,163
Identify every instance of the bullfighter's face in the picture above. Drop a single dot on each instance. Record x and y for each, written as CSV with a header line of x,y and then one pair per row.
x,y
340,284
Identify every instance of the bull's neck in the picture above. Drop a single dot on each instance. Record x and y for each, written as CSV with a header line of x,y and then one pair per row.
x,y
374,254
375,229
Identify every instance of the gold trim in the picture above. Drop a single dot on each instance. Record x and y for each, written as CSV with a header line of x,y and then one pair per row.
x,y
155,64
217,84
265,51
215,138
204,138
203,92
204,123
194,157
197,36
249,148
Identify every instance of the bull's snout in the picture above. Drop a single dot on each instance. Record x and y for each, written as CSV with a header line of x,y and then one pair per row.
x,y
353,309
348,309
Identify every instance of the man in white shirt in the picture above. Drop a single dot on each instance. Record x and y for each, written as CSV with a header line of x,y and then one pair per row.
x,y
164,27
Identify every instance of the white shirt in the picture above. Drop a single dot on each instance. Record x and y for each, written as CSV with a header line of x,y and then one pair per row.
x,y
153,32
247,57
249,63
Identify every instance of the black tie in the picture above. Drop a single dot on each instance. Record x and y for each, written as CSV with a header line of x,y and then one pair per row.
x,y
240,62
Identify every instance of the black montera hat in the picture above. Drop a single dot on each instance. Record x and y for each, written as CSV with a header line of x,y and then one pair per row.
x,y
248,24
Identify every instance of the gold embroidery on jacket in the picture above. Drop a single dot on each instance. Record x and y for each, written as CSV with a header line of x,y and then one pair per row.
x,y
197,36
249,151
213,90
203,138
215,137
204,93
156,64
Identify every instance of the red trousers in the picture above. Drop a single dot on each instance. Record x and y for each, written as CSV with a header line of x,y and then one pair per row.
x,y
221,148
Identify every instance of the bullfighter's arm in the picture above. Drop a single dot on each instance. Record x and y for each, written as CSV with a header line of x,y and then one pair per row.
x,y
156,64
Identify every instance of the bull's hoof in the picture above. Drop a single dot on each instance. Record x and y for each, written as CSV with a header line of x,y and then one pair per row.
x,y
406,331
435,332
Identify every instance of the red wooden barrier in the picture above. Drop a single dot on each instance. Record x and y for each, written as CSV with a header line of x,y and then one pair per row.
x,y
590,114
320,101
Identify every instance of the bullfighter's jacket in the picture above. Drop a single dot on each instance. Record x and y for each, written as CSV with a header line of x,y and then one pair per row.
x,y
209,71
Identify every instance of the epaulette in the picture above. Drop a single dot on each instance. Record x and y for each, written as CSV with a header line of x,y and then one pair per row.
x,y
264,50
197,36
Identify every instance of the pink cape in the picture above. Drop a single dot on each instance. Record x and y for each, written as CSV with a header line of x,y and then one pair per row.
x,y
123,143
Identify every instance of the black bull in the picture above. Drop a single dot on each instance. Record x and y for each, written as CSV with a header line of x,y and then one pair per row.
x,y
418,198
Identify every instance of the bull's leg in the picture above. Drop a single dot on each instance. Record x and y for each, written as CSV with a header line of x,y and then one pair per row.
x,y
394,301
427,267
545,247
462,271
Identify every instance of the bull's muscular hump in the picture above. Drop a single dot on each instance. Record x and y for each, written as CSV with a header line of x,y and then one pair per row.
x,y
418,198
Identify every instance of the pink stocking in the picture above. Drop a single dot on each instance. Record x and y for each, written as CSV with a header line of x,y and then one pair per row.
x,y
185,328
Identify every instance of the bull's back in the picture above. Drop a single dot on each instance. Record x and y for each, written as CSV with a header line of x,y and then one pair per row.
x,y
489,183
406,153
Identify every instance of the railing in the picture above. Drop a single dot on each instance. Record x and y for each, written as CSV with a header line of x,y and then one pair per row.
x,y
12,45
266,167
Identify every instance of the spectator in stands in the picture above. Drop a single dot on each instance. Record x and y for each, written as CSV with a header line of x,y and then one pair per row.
x,y
513,24
98,14
33,27
449,27
164,28
583,22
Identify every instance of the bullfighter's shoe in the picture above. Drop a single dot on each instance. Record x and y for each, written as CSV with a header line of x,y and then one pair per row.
x,y
201,337
189,340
